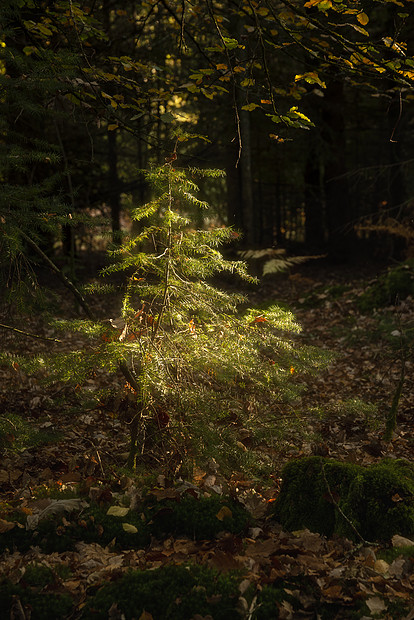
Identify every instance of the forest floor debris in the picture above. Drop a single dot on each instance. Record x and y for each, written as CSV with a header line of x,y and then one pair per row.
x,y
324,577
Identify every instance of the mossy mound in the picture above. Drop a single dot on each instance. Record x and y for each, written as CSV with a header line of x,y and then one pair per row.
x,y
169,593
36,594
377,500
271,600
91,525
285,598
396,284
199,518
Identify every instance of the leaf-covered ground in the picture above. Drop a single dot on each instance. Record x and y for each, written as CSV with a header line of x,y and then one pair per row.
x,y
86,449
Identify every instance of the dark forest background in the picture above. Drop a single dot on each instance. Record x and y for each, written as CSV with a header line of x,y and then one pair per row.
x,y
306,106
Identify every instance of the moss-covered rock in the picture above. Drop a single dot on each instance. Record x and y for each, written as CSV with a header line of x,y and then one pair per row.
x,y
377,500
396,284
169,593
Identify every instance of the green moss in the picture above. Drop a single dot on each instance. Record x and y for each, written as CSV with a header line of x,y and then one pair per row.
x,y
16,433
38,576
269,601
42,605
392,286
378,500
91,525
169,593
200,518
197,518
389,555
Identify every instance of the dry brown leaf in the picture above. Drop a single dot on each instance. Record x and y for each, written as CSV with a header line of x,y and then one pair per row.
x,y
6,526
224,513
381,566
334,591
224,561
376,605
401,541
262,549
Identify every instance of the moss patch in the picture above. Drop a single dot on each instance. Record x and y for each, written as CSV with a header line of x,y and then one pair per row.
x,y
377,500
90,525
169,593
198,518
390,287
35,595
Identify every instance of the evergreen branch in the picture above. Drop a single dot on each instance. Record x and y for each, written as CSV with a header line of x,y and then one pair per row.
x,y
69,285
122,365
19,331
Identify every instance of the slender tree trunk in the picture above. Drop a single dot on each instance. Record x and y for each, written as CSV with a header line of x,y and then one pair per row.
x,y
114,185
339,212
246,181
314,215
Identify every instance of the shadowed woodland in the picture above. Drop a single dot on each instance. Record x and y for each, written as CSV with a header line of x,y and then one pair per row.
x,y
206,311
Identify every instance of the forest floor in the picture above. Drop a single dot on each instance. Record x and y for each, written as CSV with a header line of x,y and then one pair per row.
x,y
87,449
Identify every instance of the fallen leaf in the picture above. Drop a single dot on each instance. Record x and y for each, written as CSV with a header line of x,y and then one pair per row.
x,y
224,513
117,511
224,561
375,605
165,493
6,526
131,529
146,616
381,566
262,549
334,591
400,541
55,507
396,569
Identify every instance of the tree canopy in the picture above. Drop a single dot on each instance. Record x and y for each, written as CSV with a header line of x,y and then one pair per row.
x,y
306,105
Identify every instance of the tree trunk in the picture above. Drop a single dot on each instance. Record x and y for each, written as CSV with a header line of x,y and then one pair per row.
x,y
339,212
114,185
246,181
314,212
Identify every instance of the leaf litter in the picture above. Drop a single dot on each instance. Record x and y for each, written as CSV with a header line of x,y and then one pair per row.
x,y
339,572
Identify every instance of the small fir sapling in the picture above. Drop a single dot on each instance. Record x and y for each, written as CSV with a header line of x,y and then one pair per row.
x,y
202,374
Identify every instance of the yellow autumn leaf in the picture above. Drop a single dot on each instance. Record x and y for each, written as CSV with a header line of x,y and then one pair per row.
x,y
250,106
224,513
247,82
112,127
117,511
131,529
363,19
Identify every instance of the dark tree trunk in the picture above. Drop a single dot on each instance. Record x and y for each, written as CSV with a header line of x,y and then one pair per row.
x,y
314,211
114,185
246,181
339,212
